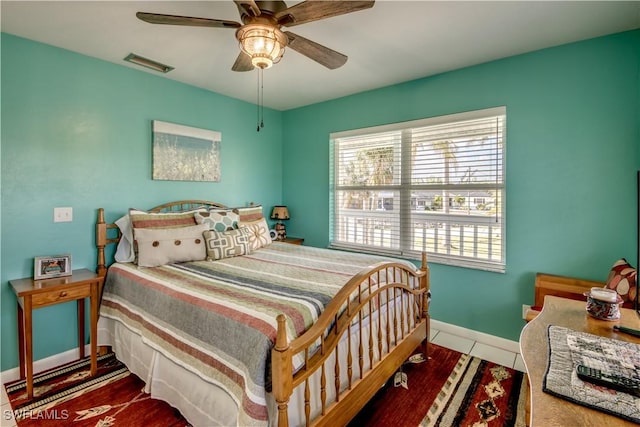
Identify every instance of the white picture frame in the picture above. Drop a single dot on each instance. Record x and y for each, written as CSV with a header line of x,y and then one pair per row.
x,y
47,267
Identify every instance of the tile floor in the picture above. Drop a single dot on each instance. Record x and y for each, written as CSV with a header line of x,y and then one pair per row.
x,y
478,349
6,417
444,339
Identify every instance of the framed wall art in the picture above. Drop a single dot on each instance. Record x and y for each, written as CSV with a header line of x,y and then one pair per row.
x,y
46,267
183,153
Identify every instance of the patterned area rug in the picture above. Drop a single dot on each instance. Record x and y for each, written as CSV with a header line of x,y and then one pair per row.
x,y
450,390
480,393
68,396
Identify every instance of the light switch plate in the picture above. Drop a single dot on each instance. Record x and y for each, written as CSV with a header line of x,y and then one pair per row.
x,y
62,214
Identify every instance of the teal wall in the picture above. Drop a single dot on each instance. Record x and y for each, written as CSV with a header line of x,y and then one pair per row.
x,y
76,132
573,136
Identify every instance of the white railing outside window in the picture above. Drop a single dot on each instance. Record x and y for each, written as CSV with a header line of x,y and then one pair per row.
x,y
434,185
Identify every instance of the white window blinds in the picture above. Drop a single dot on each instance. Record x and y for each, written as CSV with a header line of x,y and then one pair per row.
x,y
434,185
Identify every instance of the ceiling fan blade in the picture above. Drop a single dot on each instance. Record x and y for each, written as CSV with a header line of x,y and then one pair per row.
x,y
321,54
248,7
314,10
243,63
156,18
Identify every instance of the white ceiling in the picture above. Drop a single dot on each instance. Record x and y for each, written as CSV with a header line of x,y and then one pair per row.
x,y
395,41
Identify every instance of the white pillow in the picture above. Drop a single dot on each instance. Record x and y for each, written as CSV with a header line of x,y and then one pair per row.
x,y
159,246
124,251
259,235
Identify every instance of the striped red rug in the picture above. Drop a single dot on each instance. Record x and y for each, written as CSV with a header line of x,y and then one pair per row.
x,y
450,390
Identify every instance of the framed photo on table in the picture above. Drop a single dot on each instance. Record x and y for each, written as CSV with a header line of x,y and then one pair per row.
x,y
47,267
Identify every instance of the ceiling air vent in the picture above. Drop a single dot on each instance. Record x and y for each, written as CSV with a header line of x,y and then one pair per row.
x,y
148,63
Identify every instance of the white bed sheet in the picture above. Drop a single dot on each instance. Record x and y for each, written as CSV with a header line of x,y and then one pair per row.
x,y
205,404
202,403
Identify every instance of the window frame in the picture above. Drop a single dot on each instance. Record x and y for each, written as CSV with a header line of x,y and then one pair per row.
x,y
405,201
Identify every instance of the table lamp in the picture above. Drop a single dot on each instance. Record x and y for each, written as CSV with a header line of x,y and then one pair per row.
x,y
280,213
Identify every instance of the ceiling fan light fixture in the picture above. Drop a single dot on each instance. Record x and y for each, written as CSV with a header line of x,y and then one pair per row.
x,y
263,43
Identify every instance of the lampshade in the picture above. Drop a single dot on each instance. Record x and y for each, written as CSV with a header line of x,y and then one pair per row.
x,y
263,43
280,212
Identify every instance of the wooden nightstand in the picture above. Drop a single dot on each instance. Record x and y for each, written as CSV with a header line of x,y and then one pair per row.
x,y
33,294
294,240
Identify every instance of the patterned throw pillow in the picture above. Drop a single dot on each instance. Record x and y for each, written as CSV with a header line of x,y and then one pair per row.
x,y
258,233
226,244
159,246
141,219
622,278
218,219
249,213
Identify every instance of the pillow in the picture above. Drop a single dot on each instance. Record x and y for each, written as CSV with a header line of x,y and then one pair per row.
x,y
141,219
249,213
168,245
156,220
622,278
259,233
218,219
124,251
226,244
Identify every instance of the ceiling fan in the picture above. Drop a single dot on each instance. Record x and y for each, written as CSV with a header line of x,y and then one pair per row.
x,y
262,42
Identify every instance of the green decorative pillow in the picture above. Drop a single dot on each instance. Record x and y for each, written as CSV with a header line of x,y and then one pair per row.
x,y
622,278
218,219
258,233
168,245
226,244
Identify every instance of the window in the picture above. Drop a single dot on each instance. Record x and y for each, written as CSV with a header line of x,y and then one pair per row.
x,y
434,185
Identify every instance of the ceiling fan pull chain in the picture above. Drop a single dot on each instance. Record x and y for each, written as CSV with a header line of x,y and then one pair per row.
x,y
261,97
258,104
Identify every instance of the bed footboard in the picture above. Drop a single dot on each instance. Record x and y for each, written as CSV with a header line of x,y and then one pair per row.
x,y
383,314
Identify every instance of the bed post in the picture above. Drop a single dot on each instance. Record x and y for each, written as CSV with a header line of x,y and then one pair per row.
x,y
101,242
282,371
426,297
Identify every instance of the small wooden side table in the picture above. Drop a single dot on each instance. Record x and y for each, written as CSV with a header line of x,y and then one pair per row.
x,y
294,240
33,294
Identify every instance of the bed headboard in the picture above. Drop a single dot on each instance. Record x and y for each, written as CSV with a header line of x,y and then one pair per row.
x,y
103,229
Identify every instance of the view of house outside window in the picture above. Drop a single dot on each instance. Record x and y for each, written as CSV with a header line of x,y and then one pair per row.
x,y
434,185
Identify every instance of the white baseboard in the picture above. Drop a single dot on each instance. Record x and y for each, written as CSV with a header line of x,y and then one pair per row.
x,y
46,363
480,337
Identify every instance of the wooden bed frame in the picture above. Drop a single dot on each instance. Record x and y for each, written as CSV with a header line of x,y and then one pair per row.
x,y
407,328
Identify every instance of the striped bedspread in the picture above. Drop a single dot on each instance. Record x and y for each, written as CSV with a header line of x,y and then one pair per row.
x,y
218,319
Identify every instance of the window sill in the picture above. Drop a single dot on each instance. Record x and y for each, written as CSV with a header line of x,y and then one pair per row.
x,y
431,257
